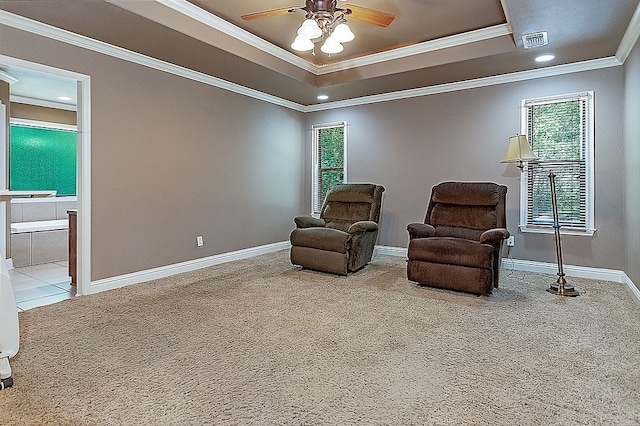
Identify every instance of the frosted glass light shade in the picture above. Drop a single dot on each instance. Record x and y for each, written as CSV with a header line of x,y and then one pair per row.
x,y
518,150
310,29
343,34
302,44
331,45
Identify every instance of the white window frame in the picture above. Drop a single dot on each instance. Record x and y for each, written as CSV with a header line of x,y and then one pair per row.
x,y
316,203
589,152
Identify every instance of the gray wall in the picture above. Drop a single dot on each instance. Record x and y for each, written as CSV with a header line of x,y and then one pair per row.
x,y
410,145
631,155
173,159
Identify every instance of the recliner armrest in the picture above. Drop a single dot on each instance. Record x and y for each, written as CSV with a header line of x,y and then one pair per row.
x,y
494,235
308,222
420,230
362,226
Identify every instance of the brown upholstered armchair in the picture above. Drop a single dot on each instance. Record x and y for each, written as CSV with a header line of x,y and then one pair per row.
x,y
459,245
344,236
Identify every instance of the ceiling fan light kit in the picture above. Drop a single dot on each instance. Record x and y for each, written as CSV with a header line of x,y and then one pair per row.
x,y
325,20
331,46
310,29
320,25
302,44
342,33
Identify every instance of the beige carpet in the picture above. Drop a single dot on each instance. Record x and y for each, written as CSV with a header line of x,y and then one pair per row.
x,y
262,342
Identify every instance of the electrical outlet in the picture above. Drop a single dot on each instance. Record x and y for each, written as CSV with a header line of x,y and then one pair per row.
x,y
199,241
511,241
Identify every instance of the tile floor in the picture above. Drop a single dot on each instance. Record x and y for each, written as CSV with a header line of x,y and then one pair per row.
x,y
41,285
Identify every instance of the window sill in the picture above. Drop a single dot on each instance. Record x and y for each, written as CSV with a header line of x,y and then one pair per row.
x,y
563,230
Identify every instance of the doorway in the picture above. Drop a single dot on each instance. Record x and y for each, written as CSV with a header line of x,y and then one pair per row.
x,y
12,68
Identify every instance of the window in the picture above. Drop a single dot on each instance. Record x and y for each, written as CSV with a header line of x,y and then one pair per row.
x,y
329,160
561,133
42,157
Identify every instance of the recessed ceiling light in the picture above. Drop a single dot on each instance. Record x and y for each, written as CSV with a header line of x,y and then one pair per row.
x,y
322,97
64,98
544,58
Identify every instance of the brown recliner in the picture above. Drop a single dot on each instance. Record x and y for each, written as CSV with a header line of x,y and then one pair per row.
x,y
459,245
344,236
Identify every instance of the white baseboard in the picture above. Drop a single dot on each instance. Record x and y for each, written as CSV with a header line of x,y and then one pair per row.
x,y
569,270
632,287
545,268
178,268
192,265
391,251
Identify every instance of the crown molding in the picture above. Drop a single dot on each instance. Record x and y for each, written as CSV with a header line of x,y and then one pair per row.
x,y
194,12
68,37
419,49
470,84
42,103
630,37
54,33
7,78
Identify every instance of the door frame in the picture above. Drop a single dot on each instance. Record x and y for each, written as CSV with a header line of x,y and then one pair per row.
x,y
83,164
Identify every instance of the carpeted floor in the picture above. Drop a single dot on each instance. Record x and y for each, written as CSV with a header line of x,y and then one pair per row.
x,y
261,342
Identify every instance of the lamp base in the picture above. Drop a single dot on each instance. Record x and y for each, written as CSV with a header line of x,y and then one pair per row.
x,y
563,289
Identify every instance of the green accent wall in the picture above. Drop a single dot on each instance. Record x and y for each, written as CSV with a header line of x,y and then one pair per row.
x,y
42,159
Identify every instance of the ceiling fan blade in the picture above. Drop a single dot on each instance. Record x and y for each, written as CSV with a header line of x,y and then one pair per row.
x,y
267,13
369,16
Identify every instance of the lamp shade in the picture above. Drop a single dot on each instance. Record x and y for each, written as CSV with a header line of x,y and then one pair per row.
x,y
302,43
310,29
331,45
518,150
343,34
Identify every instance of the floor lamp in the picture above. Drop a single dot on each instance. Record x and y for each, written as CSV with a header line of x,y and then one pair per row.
x,y
518,151
560,287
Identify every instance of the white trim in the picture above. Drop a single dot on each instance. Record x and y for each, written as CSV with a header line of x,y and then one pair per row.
x,y
192,11
83,264
632,287
193,265
4,242
78,40
569,270
390,251
64,36
42,124
42,103
589,229
630,37
602,274
315,162
52,199
178,268
549,230
419,48
7,78
83,174
594,64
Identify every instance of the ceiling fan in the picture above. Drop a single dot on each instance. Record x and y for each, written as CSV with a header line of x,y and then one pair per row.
x,y
324,19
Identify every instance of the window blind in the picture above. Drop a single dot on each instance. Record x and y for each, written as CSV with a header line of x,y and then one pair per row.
x,y
559,135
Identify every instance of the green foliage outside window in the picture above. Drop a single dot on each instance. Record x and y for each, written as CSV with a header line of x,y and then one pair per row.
x,y
329,142
331,158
